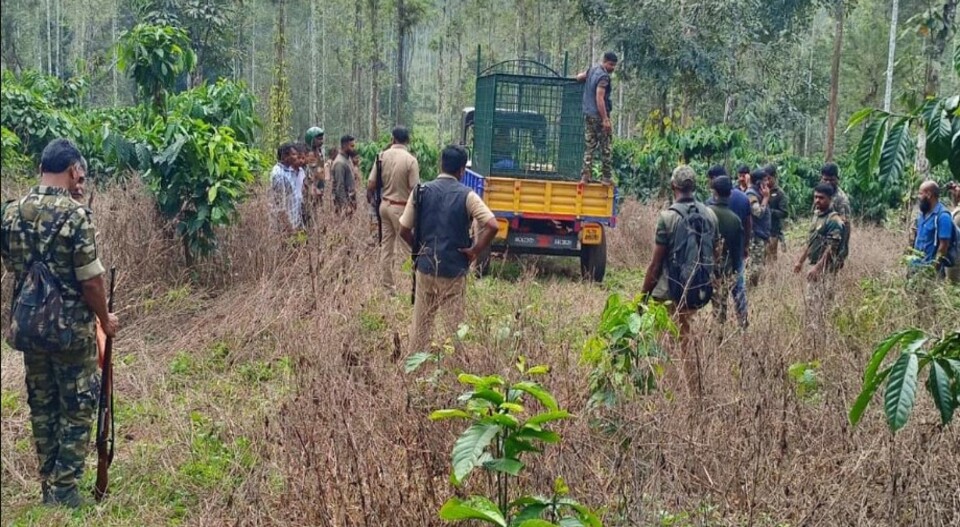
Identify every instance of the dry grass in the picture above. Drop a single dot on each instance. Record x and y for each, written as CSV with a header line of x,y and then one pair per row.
x,y
266,388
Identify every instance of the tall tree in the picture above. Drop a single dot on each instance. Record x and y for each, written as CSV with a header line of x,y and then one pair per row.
x,y
891,53
280,107
409,14
833,108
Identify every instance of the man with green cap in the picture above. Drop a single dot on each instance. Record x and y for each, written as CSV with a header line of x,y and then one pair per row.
x,y
315,167
681,269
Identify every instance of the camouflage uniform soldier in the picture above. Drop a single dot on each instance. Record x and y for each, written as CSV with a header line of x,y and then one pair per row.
x,y
759,196
824,252
598,129
49,227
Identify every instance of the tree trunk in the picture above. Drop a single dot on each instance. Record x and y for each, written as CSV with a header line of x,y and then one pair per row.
x,y
374,68
833,110
58,18
398,100
116,82
891,53
253,55
49,41
939,38
323,62
312,35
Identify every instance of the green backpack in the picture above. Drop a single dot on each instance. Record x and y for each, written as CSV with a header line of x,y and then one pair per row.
x,y
36,323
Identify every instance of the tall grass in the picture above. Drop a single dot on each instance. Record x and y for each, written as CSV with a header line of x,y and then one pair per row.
x,y
345,440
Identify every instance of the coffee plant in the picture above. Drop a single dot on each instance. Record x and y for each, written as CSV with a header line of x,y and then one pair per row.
x,y
625,353
502,428
939,355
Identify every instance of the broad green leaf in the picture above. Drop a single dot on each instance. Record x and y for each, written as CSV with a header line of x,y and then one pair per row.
x,y
546,436
513,447
866,395
488,395
506,420
469,448
505,465
587,516
868,151
894,154
858,118
570,521
539,370
538,392
513,407
531,511
939,132
536,523
884,347
416,360
547,417
451,413
473,508
901,391
634,322
480,382
956,59
938,384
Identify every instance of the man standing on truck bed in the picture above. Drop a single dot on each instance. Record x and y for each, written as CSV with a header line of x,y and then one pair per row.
x,y
436,224
598,129
393,177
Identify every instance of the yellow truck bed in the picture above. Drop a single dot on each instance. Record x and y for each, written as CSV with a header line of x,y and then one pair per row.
x,y
541,198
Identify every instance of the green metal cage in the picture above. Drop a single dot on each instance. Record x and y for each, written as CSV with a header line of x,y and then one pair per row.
x,y
528,122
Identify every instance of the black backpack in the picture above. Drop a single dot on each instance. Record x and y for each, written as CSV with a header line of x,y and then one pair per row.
x,y
36,324
690,262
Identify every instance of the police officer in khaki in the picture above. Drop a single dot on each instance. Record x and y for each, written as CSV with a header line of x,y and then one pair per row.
x,y
48,235
436,223
399,175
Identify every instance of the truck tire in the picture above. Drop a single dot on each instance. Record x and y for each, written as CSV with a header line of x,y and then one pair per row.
x,y
593,260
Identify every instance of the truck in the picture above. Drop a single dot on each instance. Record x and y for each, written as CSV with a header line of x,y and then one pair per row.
x,y
525,135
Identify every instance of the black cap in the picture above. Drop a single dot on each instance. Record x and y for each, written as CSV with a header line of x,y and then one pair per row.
x,y
723,185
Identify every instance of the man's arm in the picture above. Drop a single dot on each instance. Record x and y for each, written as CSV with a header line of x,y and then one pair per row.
x,y
95,296
408,220
602,106
89,271
372,178
407,235
945,235
582,77
484,239
653,270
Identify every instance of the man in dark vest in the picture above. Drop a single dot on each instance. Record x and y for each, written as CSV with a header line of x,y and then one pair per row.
x,y
598,129
436,224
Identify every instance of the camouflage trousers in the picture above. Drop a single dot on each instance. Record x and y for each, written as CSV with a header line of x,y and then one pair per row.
x,y
597,140
62,390
758,255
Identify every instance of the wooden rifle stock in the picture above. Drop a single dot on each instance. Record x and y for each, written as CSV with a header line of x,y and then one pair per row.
x,y
105,428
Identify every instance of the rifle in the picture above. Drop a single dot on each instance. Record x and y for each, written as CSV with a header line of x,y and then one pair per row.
x,y
378,198
105,425
415,250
